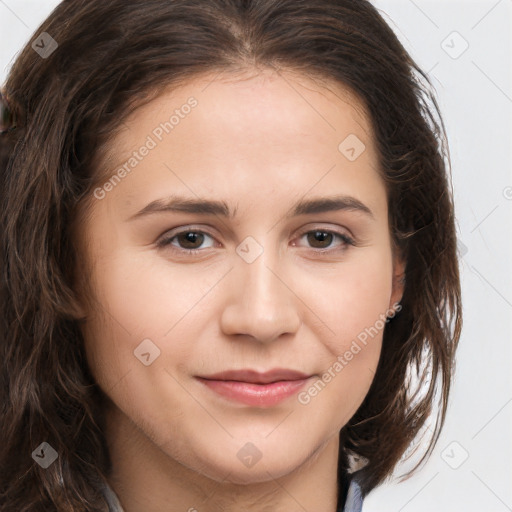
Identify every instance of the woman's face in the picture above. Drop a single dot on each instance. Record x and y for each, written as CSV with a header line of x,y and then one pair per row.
x,y
244,227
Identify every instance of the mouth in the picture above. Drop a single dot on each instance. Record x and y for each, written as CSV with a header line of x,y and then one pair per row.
x,y
254,388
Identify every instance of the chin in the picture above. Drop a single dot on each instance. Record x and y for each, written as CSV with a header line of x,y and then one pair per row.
x,y
236,470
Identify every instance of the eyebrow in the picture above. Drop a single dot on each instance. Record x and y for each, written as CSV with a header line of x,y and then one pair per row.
x,y
202,206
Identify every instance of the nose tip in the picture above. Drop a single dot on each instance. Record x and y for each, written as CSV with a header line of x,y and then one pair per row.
x,y
260,303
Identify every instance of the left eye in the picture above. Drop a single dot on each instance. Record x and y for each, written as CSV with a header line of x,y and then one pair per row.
x,y
319,236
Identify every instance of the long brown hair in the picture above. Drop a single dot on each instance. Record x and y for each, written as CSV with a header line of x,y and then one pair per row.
x,y
115,55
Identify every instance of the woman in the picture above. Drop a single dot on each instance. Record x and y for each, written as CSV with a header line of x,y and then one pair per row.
x,y
290,358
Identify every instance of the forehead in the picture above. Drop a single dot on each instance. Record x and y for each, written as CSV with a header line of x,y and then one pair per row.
x,y
233,132
247,103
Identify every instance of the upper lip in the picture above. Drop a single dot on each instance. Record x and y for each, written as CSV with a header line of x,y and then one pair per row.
x,y
255,377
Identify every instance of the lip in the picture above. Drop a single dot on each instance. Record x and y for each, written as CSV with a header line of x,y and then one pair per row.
x,y
255,388
255,377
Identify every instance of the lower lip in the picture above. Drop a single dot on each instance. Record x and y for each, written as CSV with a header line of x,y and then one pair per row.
x,y
262,395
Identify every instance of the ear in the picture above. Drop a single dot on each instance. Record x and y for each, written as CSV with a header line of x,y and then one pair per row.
x,y
399,266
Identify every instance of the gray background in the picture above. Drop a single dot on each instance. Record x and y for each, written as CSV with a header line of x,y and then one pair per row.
x,y
471,468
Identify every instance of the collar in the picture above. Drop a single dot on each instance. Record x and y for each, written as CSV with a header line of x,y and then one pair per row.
x,y
353,503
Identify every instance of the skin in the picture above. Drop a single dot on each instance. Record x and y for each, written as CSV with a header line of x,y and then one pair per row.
x,y
260,142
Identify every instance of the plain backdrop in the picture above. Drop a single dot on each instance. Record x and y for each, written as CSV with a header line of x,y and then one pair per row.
x,y
466,48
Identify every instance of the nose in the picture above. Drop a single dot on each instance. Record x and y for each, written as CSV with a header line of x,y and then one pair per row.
x,y
261,302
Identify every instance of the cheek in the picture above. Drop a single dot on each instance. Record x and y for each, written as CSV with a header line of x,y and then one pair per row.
x,y
148,296
351,302
353,306
136,301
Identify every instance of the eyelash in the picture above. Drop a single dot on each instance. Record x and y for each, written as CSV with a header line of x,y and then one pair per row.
x,y
165,242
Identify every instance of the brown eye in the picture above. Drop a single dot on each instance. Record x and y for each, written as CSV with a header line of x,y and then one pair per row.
x,y
320,239
189,241
325,240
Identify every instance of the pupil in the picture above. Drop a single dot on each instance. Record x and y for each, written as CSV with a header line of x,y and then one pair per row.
x,y
190,238
319,236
